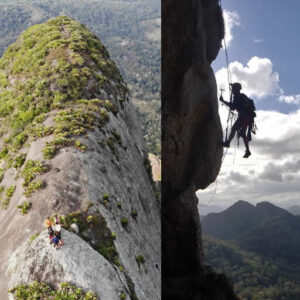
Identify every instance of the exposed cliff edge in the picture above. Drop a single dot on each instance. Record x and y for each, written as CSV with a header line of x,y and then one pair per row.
x,y
71,145
191,151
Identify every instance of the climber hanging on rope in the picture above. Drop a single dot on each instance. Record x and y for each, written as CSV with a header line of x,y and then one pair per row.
x,y
246,114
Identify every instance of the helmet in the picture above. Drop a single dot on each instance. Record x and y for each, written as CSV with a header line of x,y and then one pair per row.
x,y
236,86
48,223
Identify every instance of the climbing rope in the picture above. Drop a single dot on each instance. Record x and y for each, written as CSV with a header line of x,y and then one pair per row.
x,y
229,79
231,116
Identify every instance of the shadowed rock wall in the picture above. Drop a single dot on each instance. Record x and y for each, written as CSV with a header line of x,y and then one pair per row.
x,y
191,154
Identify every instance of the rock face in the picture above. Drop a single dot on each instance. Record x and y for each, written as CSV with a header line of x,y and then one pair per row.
x,y
191,154
66,264
71,146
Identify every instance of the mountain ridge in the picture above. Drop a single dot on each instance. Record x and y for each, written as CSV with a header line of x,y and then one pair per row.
x,y
238,218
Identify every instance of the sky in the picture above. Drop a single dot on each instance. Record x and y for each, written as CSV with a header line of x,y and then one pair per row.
x,y
263,45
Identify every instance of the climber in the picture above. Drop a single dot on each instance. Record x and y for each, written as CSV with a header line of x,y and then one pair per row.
x,y
58,229
56,240
50,233
245,120
48,224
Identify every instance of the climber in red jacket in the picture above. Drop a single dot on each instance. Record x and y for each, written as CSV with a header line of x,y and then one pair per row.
x,y
246,113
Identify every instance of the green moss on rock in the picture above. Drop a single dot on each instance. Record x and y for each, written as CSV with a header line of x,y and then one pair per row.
x,y
24,207
105,196
94,230
42,290
32,169
1,174
134,213
124,222
140,260
8,194
19,161
33,237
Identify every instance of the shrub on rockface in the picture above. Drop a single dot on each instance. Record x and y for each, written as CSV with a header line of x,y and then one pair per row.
x,y
94,230
24,207
42,290
31,170
8,194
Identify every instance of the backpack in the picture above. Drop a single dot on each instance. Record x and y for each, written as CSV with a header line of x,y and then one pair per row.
x,y
50,230
249,106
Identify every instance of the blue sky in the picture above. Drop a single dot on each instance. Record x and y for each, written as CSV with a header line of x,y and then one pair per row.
x,y
275,25
264,49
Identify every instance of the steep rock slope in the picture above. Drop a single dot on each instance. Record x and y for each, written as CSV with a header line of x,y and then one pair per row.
x,y
71,145
130,31
239,218
191,151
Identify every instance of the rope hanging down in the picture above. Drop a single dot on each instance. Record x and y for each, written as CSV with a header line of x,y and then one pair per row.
x,y
229,78
230,117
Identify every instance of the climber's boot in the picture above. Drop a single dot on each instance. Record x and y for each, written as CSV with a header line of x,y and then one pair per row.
x,y
247,154
225,144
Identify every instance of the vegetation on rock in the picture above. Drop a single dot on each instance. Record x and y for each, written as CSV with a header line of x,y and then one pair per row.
x,y
24,207
124,222
140,260
55,70
132,36
31,170
19,161
105,196
51,80
8,194
131,287
123,296
42,290
1,174
94,230
33,237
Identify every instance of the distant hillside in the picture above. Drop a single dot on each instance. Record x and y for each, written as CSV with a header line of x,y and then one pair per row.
x,y
278,238
254,276
239,218
263,256
205,210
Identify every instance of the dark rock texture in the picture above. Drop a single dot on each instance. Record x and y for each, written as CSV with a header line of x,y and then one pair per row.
x,y
191,154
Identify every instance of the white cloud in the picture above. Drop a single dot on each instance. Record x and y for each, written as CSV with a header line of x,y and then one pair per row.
x,y
257,78
292,99
258,40
231,19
